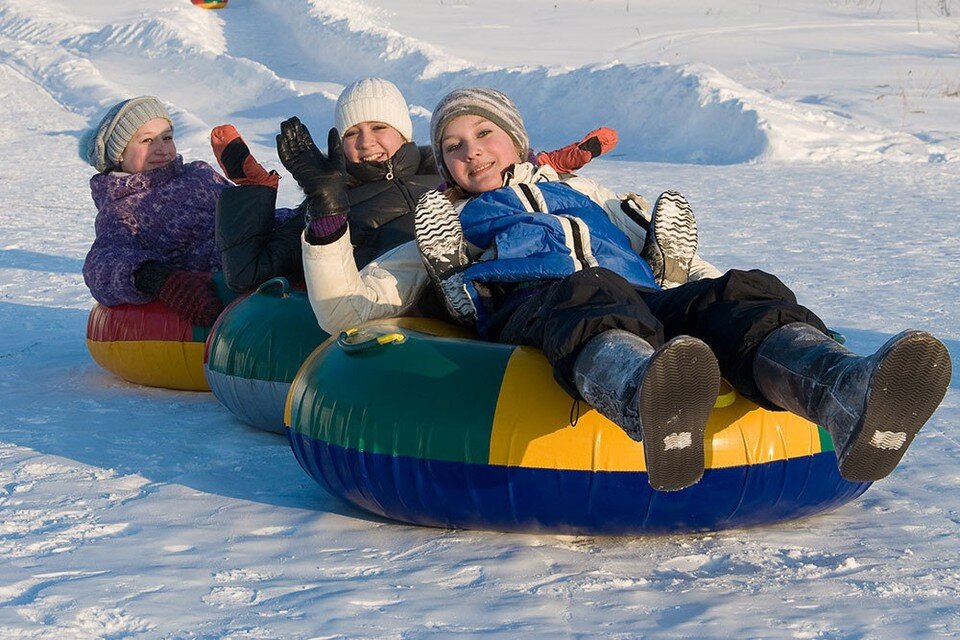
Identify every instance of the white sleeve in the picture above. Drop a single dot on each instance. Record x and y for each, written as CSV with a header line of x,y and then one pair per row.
x,y
631,214
343,297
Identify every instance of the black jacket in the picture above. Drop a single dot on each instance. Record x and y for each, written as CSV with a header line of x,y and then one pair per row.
x,y
383,196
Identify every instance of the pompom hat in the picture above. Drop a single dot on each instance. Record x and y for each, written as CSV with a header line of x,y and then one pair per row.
x,y
486,103
373,100
108,140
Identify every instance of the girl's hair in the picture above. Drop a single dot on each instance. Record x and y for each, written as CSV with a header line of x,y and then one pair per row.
x,y
455,194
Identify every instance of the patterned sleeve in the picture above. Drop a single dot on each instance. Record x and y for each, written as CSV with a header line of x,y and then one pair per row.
x,y
112,260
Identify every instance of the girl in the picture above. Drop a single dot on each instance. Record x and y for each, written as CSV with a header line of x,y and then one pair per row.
x,y
385,175
551,269
154,226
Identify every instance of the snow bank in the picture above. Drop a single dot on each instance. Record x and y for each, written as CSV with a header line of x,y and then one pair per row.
x,y
273,60
664,113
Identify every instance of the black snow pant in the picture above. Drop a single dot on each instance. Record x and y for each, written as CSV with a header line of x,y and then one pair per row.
x,y
732,314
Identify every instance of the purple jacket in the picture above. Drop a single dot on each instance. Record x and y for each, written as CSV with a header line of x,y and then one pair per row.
x,y
165,215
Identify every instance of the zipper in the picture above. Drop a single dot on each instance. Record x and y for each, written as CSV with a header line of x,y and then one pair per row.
x,y
401,185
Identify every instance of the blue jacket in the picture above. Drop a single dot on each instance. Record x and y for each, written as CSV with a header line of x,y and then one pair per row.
x,y
542,231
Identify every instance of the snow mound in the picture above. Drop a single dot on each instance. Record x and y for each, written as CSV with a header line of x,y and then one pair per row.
x,y
664,113
275,60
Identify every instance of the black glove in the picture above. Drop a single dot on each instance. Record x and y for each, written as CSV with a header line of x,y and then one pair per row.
x,y
149,277
323,179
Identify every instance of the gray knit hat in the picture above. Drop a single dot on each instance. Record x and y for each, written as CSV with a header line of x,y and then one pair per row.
x,y
373,100
107,140
478,101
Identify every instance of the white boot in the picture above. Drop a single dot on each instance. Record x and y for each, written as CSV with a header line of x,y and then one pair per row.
x,y
873,406
661,397
444,251
671,242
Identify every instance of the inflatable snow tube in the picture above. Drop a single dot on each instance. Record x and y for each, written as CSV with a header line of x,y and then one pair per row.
x,y
413,421
256,349
148,344
210,4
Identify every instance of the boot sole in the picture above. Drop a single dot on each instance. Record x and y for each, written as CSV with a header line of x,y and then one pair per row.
x,y
675,230
439,235
676,398
909,385
441,243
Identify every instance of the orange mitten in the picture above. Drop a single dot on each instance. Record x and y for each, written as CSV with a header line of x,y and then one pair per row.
x,y
235,159
573,156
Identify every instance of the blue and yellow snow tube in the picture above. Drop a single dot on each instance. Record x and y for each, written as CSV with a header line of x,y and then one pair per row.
x,y
412,420
256,349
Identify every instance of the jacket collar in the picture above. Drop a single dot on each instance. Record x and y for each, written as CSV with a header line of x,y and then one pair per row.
x,y
520,173
107,187
405,162
528,173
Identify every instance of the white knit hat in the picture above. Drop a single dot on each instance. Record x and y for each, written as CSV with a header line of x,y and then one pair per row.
x,y
108,139
373,100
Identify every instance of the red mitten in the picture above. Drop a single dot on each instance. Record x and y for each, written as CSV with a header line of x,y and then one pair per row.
x,y
573,156
192,295
235,159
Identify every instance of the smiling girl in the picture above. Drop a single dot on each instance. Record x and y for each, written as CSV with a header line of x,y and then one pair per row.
x,y
155,220
529,258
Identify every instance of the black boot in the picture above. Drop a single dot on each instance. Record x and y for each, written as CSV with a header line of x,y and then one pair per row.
x,y
661,397
873,406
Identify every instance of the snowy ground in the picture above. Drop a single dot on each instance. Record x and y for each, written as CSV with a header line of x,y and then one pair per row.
x,y
829,129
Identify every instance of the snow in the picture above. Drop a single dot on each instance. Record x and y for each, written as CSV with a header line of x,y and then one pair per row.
x,y
817,139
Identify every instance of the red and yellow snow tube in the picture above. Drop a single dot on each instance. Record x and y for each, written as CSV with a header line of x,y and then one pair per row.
x,y
210,4
148,344
413,420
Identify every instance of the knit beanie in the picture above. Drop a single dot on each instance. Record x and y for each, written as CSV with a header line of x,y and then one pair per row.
x,y
486,103
373,100
108,139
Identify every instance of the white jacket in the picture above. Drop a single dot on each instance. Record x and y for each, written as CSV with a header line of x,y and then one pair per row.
x,y
343,296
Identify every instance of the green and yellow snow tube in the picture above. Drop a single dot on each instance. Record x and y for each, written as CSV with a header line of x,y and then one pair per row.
x,y
418,421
